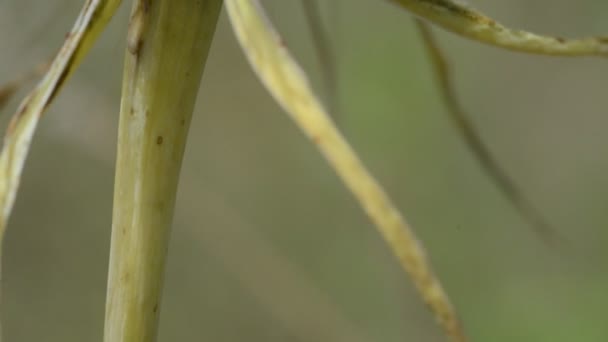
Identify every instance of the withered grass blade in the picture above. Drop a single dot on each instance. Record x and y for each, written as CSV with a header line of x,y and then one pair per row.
x,y
288,84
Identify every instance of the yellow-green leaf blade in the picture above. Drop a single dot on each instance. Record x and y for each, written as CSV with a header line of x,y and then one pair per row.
x,y
289,86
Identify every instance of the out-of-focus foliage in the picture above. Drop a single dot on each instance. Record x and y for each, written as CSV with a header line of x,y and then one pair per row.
x,y
267,244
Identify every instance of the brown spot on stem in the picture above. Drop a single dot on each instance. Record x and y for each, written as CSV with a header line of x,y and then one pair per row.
x,y
159,140
137,26
126,277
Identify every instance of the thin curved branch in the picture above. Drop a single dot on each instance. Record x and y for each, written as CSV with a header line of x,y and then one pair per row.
x,y
470,23
469,133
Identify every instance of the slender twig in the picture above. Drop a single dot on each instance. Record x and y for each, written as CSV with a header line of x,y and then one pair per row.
x,y
470,23
470,134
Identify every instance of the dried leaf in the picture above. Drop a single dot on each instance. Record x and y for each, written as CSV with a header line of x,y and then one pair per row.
x,y
93,18
472,24
288,84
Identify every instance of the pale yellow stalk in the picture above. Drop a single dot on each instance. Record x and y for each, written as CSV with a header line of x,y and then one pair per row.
x,y
288,84
470,23
168,44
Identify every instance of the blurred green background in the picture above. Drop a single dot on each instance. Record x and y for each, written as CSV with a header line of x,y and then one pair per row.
x,y
268,245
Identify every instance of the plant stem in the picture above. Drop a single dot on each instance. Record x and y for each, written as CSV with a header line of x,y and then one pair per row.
x,y
168,44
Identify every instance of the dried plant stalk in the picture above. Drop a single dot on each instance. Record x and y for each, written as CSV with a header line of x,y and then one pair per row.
x,y
472,24
168,43
289,86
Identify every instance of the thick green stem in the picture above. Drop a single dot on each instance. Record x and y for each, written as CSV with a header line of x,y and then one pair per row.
x,y
168,44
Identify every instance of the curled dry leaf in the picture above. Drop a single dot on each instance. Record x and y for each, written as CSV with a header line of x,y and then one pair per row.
x,y
472,24
288,84
92,19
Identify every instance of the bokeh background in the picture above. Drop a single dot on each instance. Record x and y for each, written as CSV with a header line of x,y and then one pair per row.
x,y
268,245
